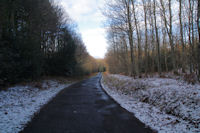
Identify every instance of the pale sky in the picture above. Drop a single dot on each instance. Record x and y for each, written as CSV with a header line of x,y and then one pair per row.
x,y
87,14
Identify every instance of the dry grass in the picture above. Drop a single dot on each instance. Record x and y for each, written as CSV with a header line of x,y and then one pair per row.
x,y
169,95
125,85
38,83
190,78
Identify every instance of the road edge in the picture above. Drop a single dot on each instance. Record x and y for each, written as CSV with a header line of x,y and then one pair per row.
x,y
103,88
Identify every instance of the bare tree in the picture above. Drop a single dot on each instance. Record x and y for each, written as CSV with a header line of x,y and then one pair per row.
x,y
181,34
146,34
168,27
138,36
130,34
198,25
157,37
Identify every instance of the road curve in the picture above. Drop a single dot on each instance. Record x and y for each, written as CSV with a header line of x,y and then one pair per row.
x,y
84,107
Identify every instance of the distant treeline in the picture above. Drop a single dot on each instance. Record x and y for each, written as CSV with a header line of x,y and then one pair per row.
x,y
148,36
38,38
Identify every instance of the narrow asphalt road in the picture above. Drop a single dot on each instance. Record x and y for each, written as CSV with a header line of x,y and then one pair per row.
x,y
84,107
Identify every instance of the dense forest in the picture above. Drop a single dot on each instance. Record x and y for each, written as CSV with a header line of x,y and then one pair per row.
x,y
153,36
38,38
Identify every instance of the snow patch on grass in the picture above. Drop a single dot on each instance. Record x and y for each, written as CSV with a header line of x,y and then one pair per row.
x,y
164,104
19,104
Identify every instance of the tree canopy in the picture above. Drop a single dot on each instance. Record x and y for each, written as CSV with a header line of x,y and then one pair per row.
x,y
38,38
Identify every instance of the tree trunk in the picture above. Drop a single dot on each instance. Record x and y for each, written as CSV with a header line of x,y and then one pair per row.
x,y
198,25
138,39
157,38
181,32
130,36
146,36
169,30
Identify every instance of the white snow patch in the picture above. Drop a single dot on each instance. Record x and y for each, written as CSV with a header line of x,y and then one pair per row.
x,y
166,105
19,104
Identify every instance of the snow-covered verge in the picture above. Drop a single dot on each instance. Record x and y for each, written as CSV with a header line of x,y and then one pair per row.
x,y
164,104
19,104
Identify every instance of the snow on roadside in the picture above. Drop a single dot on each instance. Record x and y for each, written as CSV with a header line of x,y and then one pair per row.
x,y
19,104
166,105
